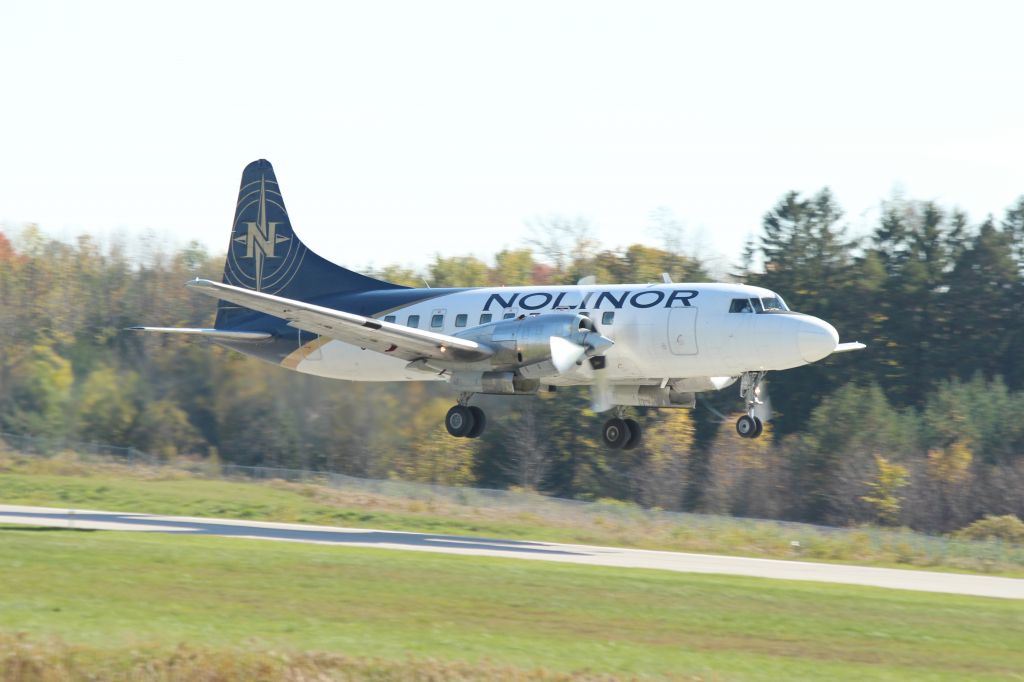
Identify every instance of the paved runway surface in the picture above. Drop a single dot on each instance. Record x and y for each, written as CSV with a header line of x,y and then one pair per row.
x,y
927,581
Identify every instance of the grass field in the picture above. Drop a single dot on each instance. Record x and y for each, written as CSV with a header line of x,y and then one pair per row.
x,y
121,603
65,481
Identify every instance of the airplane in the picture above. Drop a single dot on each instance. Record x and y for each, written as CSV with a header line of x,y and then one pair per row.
x,y
651,344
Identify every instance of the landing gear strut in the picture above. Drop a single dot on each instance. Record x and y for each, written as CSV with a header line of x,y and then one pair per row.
x,y
750,426
621,433
464,420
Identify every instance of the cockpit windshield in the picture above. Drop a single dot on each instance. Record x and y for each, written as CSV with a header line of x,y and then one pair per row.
x,y
768,304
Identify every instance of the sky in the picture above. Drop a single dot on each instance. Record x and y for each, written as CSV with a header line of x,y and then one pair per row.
x,y
401,130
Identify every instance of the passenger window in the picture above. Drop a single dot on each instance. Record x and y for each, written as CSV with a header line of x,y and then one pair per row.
x,y
414,321
485,318
608,317
389,318
740,305
437,321
460,320
508,316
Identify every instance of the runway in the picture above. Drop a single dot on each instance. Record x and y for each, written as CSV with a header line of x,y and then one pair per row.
x,y
925,581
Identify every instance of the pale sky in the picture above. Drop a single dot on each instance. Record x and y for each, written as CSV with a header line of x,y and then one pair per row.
x,y
403,129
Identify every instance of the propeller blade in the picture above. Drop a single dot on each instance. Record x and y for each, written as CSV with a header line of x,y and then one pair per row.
x,y
601,390
565,354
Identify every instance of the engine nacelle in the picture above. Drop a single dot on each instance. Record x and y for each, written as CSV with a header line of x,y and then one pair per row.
x,y
526,343
652,396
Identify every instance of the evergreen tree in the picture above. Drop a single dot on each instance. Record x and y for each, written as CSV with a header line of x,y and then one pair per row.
x,y
984,302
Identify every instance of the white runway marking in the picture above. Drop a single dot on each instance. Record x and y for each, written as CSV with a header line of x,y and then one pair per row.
x,y
925,581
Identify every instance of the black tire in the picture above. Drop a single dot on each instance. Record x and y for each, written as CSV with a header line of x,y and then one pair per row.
x,y
459,421
479,422
615,433
635,434
746,426
760,427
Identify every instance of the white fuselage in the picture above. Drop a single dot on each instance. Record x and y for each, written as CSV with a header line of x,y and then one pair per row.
x,y
661,332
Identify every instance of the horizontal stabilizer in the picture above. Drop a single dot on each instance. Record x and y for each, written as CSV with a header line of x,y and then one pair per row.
x,y
847,347
219,334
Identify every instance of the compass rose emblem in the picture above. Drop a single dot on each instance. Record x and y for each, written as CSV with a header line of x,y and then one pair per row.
x,y
264,254
261,237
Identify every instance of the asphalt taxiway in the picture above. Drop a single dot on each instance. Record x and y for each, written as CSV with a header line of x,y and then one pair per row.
x,y
900,579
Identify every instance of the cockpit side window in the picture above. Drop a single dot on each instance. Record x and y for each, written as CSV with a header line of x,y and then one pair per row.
x,y
757,305
740,305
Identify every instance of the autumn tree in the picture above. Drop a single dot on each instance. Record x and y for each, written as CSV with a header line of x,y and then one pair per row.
x,y
885,486
661,477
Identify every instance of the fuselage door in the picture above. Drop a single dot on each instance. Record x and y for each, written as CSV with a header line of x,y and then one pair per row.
x,y
682,330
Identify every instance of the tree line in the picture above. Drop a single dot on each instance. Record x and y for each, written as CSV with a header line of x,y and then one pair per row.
x,y
925,428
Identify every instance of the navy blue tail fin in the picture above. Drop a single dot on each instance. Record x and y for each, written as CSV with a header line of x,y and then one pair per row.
x,y
266,255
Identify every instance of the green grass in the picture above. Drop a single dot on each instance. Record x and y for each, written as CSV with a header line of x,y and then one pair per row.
x,y
121,596
66,481
48,660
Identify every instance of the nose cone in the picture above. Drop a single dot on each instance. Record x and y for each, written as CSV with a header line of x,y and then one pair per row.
x,y
816,339
598,344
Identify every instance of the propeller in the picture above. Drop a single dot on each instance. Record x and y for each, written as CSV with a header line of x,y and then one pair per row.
x,y
565,354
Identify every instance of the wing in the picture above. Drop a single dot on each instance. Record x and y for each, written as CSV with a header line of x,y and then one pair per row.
x,y
847,347
392,339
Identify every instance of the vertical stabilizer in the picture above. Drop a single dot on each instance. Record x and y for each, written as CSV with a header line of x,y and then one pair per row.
x,y
265,254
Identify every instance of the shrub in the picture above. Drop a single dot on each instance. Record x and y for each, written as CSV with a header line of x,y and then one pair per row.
x,y
1008,528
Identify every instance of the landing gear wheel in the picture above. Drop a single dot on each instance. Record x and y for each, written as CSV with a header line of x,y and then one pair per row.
x,y
760,427
635,433
459,421
479,422
615,433
746,426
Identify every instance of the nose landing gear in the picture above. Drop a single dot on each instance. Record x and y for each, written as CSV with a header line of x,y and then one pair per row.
x,y
750,426
464,420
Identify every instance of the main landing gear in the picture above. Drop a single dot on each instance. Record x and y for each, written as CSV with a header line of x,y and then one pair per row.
x,y
468,421
619,433
464,420
749,426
